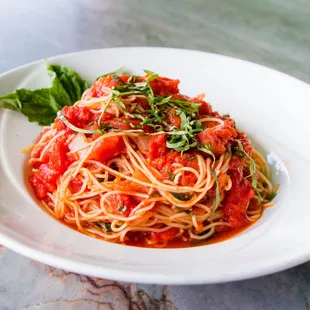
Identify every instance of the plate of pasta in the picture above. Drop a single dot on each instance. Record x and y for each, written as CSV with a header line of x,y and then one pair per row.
x,y
158,165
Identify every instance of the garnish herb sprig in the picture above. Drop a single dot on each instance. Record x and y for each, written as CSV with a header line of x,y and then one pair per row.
x,y
160,107
180,139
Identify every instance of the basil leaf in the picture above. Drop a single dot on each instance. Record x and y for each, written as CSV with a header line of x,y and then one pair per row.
x,y
70,81
41,105
122,208
182,196
105,226
170,175
271,196
152,75
117,79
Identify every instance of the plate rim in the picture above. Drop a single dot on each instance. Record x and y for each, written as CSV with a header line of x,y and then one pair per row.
x,y
132,276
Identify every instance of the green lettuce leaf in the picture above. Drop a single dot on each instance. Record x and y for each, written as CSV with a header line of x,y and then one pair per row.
x,y
41,105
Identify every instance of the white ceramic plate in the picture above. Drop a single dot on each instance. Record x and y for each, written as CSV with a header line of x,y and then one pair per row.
x,y
272,107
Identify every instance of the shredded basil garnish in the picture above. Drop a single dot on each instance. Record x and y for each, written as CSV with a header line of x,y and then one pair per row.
x,y
182,196
76,129
271,196
170,175
117,79
105,226
122,208
152,75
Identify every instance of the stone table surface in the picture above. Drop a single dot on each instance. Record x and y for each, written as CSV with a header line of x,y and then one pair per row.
x,y
274,33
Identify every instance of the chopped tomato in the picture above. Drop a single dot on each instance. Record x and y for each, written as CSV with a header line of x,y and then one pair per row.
x,y
55,163
163,86
56,156
165,165
60,125
180,97
222,179
173,119
108,148
217,137
237,199
247,145
205,108
38,186
236,162
44,181
79,117
165,236
75,185
157,146
208,137
98,88
120,204
159,162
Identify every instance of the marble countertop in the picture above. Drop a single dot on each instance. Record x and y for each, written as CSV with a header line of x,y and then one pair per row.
x,y
274,33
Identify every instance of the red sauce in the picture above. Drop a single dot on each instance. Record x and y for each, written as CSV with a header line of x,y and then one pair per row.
x,y
179,243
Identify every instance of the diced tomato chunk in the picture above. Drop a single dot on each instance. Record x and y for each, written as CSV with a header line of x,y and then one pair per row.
x,y
236,162
205,108
163,86
165,165
55,163
108,148
75,185
208,137
217,137
79,117
247,145
165,236
56,156
157,146
172,118
237,199
120,204
98,88
44,180
38,186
